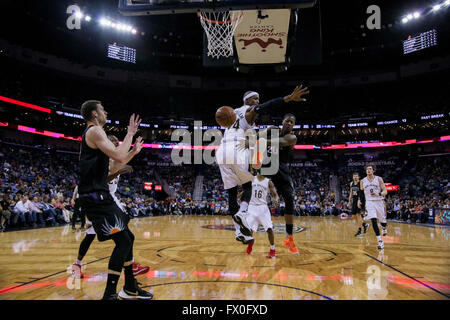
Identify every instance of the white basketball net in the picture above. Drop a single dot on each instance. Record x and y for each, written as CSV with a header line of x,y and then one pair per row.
x,y
219,28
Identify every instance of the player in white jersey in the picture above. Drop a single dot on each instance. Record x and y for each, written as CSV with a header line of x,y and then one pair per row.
x,y
373,195
115,170
234,162
258,210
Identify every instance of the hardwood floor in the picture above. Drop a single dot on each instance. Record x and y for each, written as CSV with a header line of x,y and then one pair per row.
x,y
198,258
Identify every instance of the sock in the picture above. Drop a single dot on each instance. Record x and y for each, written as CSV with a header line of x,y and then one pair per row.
x,y
243,206
379,238
289,228
111,284
272,247
78,262
129,278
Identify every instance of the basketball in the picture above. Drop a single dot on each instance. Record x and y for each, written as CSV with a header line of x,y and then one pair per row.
x,y
225,116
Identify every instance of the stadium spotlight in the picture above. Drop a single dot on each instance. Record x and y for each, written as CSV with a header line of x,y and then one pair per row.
x,y
134,31
103,21
87,18
79,15
436,7
405,20
409,16
447,2
416,15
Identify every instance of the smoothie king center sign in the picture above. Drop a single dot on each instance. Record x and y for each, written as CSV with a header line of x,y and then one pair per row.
x,y
262,40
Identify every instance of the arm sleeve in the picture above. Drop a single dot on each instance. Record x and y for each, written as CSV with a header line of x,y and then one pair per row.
x,y
269,105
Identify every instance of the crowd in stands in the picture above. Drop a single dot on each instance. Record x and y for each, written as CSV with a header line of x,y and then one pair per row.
x,y
37,183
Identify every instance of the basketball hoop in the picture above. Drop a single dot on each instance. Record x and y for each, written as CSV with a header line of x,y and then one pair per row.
x,y
219,28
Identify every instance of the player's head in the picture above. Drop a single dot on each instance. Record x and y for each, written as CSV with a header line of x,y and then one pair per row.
x,y
251,98
370,169
93,111
288,122
114,140
355,176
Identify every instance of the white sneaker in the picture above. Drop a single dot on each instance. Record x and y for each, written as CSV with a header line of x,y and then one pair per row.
x,y
239,218
380,245
384,232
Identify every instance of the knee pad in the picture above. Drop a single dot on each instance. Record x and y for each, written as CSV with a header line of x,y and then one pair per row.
x,y
289,202
121,251
246,192
232,201
375,226
85,244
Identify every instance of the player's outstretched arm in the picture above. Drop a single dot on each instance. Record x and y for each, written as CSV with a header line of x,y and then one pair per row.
x,y
286,141
124,170
133,126
297,95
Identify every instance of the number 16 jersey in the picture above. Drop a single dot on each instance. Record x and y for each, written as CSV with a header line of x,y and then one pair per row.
x,y
259,192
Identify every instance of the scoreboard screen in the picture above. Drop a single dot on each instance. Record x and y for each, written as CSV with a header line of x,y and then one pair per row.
x,y
121,53
420,42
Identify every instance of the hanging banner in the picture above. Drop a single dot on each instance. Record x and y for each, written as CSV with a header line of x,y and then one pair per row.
x,y
262,39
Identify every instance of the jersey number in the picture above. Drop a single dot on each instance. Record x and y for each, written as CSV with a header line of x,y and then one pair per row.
x,y
258,194
236,124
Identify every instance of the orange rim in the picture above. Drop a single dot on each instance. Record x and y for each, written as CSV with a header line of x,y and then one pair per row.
x,y
219,22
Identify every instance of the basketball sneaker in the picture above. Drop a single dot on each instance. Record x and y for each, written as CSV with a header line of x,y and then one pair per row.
x,y
358,234
384,232
111,297
239,218
289,243
137,294
271,254
366,226
244,239
380,245
138,270
250,247
76,271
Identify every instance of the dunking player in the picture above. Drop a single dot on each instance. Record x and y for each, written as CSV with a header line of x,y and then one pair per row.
x,y
373,194
115,170
234,163
108,220
258,210
353,204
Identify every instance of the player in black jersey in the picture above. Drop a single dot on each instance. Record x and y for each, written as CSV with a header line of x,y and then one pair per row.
x,y
108,220
353,204
282,179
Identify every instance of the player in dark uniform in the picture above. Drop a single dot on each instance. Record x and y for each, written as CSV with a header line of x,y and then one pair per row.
x,y
353,204
282,179
108,220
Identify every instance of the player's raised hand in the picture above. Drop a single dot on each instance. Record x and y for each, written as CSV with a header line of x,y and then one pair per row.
x,y
298,94
138,145
134,124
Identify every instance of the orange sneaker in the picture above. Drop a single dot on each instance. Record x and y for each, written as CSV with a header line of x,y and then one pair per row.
x,y
289,243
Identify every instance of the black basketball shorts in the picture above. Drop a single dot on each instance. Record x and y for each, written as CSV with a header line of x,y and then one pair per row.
x,y
283,183
106,217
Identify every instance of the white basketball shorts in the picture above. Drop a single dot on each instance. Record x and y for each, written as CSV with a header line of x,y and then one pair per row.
x,y
375,209
259,215
233,165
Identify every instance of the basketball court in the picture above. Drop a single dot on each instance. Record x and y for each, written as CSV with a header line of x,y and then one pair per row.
x,y
197,258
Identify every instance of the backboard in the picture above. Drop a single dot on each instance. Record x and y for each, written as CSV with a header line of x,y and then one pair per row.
x,y
155,7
